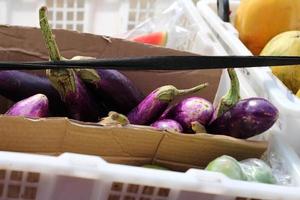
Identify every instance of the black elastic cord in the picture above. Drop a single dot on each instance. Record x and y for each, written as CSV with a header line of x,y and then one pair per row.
x,y
159,63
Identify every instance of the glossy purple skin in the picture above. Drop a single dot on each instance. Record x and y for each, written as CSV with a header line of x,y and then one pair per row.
x,y
167,124
249,117
80,104
190,110
148,110
16,86
33,107
118,90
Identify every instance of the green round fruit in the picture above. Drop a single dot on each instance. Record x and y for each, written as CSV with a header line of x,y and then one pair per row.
x,y
228,166
257,170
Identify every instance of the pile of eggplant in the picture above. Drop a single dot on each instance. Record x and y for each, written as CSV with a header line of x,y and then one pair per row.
x,y
91,95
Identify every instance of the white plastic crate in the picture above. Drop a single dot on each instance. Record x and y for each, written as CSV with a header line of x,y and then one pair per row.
x,y
254,81
77,177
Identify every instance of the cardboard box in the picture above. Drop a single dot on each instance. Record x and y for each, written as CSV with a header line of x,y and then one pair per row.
x,y
131,145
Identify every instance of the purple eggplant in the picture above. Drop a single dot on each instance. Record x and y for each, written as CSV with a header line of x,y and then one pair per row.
x,y
114,88
231,97
192,109
35,106
247,118
79,102
167,125
156,102
16,86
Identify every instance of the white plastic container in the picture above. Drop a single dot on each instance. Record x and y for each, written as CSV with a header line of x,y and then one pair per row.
x,y
78,177
254,81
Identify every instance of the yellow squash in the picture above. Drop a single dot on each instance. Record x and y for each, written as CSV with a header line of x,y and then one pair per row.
x,y
260,20
286,44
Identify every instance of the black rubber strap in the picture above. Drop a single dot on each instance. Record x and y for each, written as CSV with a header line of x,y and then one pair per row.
x,y
159,63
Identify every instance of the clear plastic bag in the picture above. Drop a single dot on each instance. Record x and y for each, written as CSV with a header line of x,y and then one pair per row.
x,y
174,20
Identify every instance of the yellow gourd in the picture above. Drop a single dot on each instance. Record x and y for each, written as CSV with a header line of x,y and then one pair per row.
x,y
298,93
285,44
257,21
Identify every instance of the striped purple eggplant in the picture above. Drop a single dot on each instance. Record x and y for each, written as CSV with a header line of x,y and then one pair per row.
x,y
247,118
114,88
16,86
167,125
156,102
192,109
35,106
79,102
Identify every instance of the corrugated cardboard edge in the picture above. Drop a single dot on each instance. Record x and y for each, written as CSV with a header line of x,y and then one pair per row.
x,y
123,145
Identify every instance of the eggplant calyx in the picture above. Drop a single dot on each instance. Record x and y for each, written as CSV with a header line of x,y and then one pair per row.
x,y
114,119
166,93
63,81
89,76
197,127
233,94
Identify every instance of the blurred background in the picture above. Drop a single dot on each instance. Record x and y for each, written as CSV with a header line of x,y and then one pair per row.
x,y
103,17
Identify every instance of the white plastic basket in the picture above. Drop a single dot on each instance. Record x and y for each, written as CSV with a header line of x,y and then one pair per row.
x,y
77,177
254,81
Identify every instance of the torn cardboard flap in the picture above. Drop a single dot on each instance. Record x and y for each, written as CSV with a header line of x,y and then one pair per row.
x,y
133,146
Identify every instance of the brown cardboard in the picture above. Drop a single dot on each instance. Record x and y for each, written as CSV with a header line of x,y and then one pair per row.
x,y
128,145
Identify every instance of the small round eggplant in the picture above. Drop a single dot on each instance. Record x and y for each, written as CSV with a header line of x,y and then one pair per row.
x,y
192,109
167,125
35,106
247,118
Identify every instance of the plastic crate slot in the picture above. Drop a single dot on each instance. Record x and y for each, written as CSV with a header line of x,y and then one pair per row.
x,y
117,186
14,191
33,177
2,174
132,188
148,190
114,197
129,197
16,175
29,193
1,189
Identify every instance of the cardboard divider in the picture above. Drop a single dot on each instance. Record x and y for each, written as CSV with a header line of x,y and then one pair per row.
x,y
134,146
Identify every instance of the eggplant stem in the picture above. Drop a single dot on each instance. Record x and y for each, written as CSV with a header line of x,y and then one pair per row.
x,y
48,36
168,92
63,80
192,90
233,94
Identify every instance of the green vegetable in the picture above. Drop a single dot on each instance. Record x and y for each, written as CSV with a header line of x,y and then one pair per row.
x,y
228,166
257,170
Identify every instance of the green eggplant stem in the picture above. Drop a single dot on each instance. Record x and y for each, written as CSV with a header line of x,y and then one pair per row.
x,y
232,96
63,80
167,93
48,36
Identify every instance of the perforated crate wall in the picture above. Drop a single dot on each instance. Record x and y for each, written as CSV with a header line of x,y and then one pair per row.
x,y
123,191
67,14
18,185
